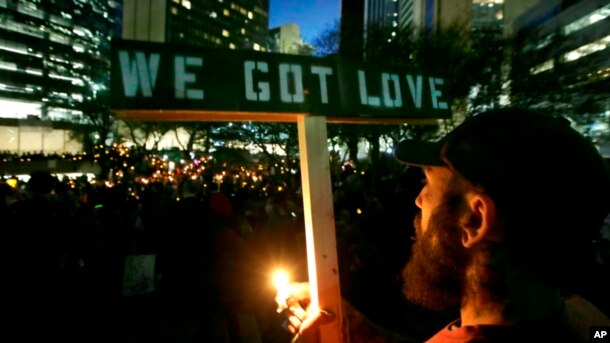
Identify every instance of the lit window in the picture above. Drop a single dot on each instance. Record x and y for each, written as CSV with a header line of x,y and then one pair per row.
x,y
587,20
257,47
225,33
174,10
231,45
250,15
225,12
186,4
243,31
542,67
588,49
213,15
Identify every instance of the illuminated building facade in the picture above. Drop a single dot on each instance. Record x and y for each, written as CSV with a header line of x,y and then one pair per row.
x,y
570,39
286,39
480,15
54,56
381,17
233,24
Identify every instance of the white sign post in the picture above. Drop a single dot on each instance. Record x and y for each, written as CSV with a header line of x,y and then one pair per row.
x,y
320,223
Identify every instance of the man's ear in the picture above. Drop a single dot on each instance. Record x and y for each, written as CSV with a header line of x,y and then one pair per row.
x,y
479,223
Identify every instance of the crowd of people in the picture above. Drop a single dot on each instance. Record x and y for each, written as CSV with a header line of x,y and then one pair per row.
x,y
93,261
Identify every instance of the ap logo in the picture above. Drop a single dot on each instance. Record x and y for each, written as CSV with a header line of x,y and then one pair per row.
x,y
599,334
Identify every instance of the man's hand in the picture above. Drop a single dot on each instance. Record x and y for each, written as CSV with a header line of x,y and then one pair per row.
x,y
302,321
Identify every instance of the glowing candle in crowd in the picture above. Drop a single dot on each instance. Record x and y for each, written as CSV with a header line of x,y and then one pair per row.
x,y
281,281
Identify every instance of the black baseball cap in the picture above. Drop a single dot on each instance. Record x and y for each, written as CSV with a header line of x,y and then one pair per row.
x,y
526,159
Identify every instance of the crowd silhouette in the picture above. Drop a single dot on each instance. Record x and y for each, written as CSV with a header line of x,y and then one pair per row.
x,y
180,262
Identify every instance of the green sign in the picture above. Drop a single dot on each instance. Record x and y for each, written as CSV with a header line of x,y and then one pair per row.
x,y
155,76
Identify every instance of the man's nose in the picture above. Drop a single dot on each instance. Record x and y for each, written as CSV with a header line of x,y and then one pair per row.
x,y
418,200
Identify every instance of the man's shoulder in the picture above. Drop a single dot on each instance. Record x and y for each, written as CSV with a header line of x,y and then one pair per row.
x,y
530,332
578,316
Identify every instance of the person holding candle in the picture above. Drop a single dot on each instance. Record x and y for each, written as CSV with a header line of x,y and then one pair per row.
x,y
512,202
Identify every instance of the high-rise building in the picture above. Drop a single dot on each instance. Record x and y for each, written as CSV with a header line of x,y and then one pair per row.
x,y
380,21
286,39
478,15
352,29
398,17
381,18
54,56
498,16
433,14
235,24
565,44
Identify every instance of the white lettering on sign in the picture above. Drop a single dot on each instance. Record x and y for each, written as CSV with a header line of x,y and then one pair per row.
x,y
365,99
291,82
436,93
139,73
600,334
391,93
263,93
416,90
297,77
387,98
182,77
275,82
323,73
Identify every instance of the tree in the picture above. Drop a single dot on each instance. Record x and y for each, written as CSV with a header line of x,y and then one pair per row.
x,y
327,42
99,118
141,133
196,133
491,54
270,139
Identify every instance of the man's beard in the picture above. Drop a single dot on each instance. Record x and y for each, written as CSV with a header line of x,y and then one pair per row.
x,y
434,276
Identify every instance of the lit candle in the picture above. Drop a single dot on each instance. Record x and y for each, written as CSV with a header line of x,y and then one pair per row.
x,y
281,281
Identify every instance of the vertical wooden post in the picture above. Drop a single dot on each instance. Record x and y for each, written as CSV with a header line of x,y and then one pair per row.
x,y
320,223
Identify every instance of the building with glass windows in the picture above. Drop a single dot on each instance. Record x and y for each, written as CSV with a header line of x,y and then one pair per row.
x,y
233,24
392,18
562,64
54,56
286,39
563,56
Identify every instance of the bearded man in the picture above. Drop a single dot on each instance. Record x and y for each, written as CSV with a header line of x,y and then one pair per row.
x,y
512,202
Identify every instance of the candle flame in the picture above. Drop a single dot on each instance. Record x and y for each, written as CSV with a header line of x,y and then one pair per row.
x,y
281,280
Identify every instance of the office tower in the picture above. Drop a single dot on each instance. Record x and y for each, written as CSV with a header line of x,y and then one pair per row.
x,y
235,24
384,21
563,56
54,57
285,39
352,29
